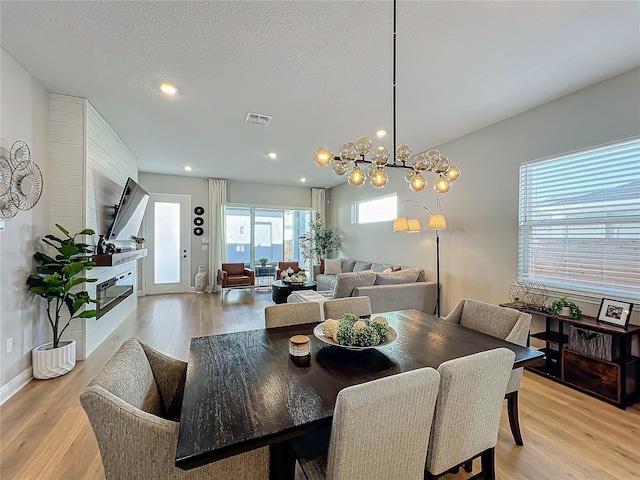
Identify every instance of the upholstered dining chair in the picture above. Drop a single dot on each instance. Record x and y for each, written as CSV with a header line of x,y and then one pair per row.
x,y
507,324
359,306
378,431
134,406
292,314
468,411
233,275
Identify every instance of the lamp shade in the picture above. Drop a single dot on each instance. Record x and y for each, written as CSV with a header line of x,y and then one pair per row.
x,y
414,225
400,225
437,222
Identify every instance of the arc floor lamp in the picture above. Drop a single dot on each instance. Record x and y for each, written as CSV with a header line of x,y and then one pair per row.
x,y
437,222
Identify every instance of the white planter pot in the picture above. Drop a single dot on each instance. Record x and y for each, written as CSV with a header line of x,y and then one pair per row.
x,y
51,362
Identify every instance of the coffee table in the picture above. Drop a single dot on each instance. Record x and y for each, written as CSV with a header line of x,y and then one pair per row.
x,y
281,290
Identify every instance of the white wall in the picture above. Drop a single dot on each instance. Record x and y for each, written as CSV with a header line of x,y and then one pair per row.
x,y
479,250
245,193
24,116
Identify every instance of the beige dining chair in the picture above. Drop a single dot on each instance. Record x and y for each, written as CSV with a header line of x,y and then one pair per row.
x,y
467,417
504,323
292,314
336,308
378,431
134,406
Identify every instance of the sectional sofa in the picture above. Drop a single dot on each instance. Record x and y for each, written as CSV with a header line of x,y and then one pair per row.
x,y
388,287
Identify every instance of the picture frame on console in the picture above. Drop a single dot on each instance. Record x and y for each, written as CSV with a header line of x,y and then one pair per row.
x,y
615,312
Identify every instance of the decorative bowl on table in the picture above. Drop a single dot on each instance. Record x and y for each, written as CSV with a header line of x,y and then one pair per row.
x,y
293,280
353,333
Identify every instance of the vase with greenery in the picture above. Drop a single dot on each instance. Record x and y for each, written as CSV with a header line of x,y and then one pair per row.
x,y
140,241
263,261
319,241
57,277
555,308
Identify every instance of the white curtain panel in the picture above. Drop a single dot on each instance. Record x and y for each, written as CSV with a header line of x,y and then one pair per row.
x,y
319,202
217,252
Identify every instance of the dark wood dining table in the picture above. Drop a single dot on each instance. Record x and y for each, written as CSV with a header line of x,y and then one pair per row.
x,y
243,391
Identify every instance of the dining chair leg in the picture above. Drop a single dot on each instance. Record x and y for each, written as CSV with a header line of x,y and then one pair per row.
x,y
514,421
282,461
488,459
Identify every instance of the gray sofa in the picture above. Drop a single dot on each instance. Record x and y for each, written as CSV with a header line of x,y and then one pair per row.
x,y
404,289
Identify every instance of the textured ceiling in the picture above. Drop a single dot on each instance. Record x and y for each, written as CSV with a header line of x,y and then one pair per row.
x,y
323,70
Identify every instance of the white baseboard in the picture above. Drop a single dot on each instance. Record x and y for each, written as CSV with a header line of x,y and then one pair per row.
x,y
14,385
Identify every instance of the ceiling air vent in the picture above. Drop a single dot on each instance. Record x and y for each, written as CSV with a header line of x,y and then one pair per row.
x,y
258,119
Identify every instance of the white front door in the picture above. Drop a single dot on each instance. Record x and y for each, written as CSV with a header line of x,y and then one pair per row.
x,y
168,237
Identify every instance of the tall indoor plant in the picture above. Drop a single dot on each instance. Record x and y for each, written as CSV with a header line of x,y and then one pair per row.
x,y
319,241
55,282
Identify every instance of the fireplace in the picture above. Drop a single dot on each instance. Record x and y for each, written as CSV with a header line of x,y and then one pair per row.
x,y
113,291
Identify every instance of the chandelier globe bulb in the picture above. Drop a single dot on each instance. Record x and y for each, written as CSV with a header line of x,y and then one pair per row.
x,y
356,177
323,156
443,184
379,178
417,182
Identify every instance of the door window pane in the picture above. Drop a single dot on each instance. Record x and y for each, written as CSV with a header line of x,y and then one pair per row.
x,y
268,235
238,235
166,241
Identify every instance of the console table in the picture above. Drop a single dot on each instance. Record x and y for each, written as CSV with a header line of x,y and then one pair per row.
x,y
616,381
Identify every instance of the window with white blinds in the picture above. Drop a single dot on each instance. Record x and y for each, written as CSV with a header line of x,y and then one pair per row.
x,y
579,222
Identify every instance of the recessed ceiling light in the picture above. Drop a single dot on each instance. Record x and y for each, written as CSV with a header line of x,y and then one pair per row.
x,y
303,179
168,89
187,168
381,133
273,155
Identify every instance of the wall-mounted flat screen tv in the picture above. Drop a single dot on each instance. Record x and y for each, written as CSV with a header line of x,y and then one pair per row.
x,y
129,212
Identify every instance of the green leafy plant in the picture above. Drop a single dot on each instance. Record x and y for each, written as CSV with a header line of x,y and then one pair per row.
x,y
58,276
263,261
555,307
319,241
139,240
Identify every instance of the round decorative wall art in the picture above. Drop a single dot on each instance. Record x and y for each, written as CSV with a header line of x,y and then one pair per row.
x,y
26,183
198,210
198,231
198,221
21,180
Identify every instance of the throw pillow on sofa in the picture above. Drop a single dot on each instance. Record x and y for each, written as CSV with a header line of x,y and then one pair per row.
x,y
346,282
332,266
409,275
361,266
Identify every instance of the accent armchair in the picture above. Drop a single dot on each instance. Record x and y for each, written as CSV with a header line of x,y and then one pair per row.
x,y
134,406
233,275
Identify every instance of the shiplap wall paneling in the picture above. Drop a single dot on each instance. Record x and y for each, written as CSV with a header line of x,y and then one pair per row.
x,y
66,179
109,164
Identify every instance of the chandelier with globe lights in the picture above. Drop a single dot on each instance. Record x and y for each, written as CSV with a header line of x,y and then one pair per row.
x,y
353,154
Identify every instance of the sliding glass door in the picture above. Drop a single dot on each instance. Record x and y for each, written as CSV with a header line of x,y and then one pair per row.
x,y
252,233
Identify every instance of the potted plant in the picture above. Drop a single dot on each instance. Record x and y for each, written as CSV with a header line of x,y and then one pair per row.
x,y
319,241
55,282
564,307
263,261
140,241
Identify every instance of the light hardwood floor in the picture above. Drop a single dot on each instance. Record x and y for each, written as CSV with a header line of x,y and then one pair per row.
x,y
44,433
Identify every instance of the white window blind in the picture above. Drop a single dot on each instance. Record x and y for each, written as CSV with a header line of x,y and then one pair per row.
x,y
579,221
